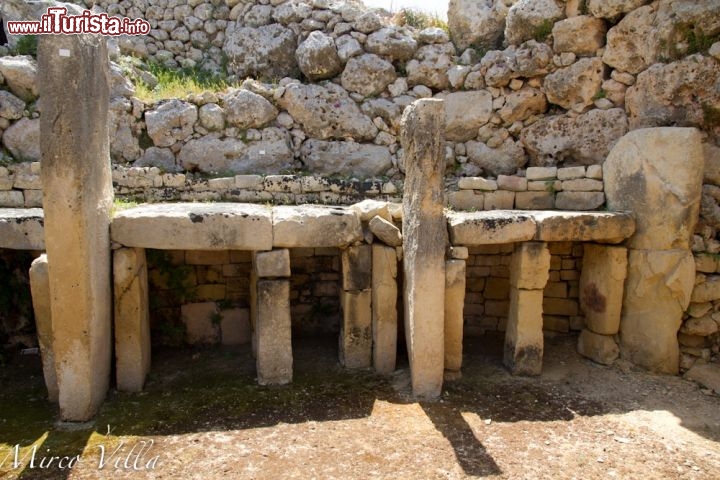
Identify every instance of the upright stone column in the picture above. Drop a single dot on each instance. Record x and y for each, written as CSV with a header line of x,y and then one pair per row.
x,y
40,288
529,272
78,194
424,243
454,305
656,174
271,317
384,308
356,336
132,319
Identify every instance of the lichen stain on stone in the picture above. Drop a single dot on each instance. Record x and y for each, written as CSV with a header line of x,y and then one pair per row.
x,y
594,300
195,218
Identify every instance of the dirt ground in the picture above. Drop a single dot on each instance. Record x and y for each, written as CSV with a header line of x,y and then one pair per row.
x,y
203,417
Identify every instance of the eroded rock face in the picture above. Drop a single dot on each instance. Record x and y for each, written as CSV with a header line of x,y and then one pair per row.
x,y
613,8
318,57
334,158
124,144
581,35
430,66
528,60
394,42
270,155
171,122
477,23
575,87
504,160
22,140
209,154
245,109
522,104
527,18
327,112
465,112
368,75
20,74
267,51
585,139
11,107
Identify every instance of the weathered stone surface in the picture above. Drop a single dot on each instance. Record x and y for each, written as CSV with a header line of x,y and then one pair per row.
x,y
465,112
245,109
162,158
632,44
604,227
477,23
171,122
657,175
522,104
298,226
581,35
273,153
585,139
357,268
707,375
579,200
648,329
76,175
367,75
327,112
356,336
317,57
598,348
273,332
267,51
210,154
384,308
504,160
11,107
132,318
40,288
235,326
601,287
394,42
424,242
527,17
275,263
534,200
22,229
454,319
576,86
386,231
523,350
702,327
530,266
195,226
707,291
336,158
124,131
22,139
530,59
368,208
492,227
613,8
212,117
430,66
20,74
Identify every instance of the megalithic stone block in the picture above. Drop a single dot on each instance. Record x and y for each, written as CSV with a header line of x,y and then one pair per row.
x,y
454,303
384,308
530,266
356,268
425,239
40,288
602,281
132,319
77,188
524,337
273,336
356,338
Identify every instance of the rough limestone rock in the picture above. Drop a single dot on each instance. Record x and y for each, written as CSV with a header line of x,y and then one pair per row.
x,y
327,112
212,117
267,51
245,109
348,47
465,112
648,329
613,8
657,174
581,35
477,23
575,87
171,122
386,231
368,22
632,44
504,160
22,139
22,228
258,16
522,104
11,107
367,75
318,57
394,42
598,348
707,375
124,143
298,226
294,11
585,139
703,326
162,158
430,66
601,287
527,60
433,35
20,75
527,18
678,93
270,155
210,154
337,158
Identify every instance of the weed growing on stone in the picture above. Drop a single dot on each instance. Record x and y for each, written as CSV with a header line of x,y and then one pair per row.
x,y
178,83
419,19
543,30
27,45
711,116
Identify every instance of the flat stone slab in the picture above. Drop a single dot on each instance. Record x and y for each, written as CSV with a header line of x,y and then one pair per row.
x,y
22,228
490,227
315,226
603,227
195,226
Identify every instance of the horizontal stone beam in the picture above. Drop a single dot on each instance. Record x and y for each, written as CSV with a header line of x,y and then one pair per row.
x,y
490,227
315,226
22,229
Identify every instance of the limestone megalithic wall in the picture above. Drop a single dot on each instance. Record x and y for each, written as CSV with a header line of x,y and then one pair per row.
x,y
77,182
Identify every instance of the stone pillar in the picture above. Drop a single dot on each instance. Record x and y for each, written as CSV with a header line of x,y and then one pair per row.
x,y
270,316
40,288
425,239
529,272
132,319
356,337
384,308
656,174
78,193
454,320
601,295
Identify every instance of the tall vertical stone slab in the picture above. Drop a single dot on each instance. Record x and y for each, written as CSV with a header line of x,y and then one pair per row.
x,y
424,243
356,338
602,283
40,289
274,335
454,320
132,319
656,174
529,272
77,187
384,308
